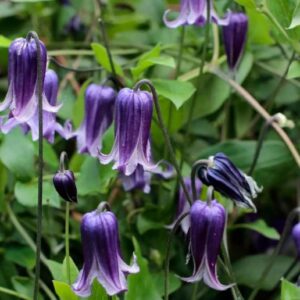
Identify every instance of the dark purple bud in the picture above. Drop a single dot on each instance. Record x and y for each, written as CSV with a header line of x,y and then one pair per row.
x,y
234,36
193,12
133,114
101,253
64,183
183,205
296,237
223,175
206,233
99,105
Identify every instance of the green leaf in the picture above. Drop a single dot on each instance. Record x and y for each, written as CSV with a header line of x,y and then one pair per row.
x,y
174,282
144,224
249,269
296,17
247,3
289,291
73,270
20,161
176,91
103,59
26,194
4,42
56,270
294,70
98,292
78,109
141,285
24,286
261,227
64,291
21,255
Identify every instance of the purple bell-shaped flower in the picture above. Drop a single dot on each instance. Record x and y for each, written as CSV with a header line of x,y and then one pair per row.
x,y
193,12
99,106
223,175
234,37
102,258
133,114
206,233
22,97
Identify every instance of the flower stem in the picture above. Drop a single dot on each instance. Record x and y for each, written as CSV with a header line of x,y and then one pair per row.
x,y
165,134
255,104
40,79
195,290
261,139
167,262
13,293
266,271
67,242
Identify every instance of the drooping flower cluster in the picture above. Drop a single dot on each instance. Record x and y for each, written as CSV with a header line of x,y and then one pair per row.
x,y
230,181
22,95
102,257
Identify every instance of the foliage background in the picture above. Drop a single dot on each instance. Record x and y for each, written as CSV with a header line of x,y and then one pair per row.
x,y
222,121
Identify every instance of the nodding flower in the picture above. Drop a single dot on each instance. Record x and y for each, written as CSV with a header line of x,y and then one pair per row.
x,y
227,179
132,119
22,95
101,253
64,183
99,106
194,12
206,233
234,37
50,125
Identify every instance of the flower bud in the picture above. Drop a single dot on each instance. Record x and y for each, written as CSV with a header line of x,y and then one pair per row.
x,y
64,183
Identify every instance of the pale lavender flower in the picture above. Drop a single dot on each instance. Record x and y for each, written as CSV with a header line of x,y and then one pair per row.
x,y
99,105
234,37
102,258
183,205
22,97
206,233
133,114
193,12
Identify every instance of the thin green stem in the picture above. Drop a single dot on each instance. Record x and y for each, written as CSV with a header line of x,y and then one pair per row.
x,y
13,293
268,268
165,134
40,162
168,250
195,291
264,131
67,242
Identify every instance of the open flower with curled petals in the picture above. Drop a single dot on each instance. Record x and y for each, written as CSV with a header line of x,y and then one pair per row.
x,y
206,233
102,257
193,12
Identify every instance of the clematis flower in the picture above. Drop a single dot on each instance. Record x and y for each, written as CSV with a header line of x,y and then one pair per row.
x,y
141,179
206,232
183,205
102,258
50,126
99,105
296,237
223,175
193,12
64,183
133,114
234,36
22,97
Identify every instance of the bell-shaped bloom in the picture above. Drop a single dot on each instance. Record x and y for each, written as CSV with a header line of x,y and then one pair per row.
x,y
183,205
296,237
99,106
50,126
22,97
141,179
193,12
64,183
227,179
133,114
101,253
234,37
206,233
